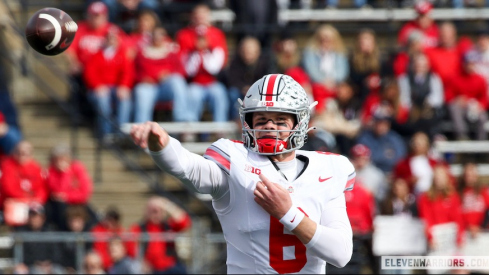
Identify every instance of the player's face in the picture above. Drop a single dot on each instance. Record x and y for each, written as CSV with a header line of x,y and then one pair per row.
x,y
272,121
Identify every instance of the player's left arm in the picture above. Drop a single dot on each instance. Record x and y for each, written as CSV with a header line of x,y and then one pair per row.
x,y
331,240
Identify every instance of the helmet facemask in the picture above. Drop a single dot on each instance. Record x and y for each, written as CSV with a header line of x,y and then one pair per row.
x,y
276,93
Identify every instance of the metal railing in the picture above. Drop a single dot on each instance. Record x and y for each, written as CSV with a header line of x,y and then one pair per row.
x,y
204,252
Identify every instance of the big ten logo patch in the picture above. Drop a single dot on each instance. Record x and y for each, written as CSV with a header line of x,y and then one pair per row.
x,y
251,169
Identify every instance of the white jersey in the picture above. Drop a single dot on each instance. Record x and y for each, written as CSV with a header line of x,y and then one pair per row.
x,y
257,242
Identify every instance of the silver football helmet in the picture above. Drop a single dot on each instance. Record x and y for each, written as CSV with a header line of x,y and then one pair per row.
x,y
276,93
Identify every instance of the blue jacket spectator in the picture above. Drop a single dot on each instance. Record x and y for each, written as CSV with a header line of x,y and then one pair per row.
x,y
387,146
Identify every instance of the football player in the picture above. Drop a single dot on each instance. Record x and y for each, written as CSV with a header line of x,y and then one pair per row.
x,y
282,210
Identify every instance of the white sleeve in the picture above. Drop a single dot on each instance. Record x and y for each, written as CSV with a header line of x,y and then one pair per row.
x,y
196,172
214,60
333,240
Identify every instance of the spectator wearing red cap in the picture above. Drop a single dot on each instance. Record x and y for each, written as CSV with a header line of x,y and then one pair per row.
x,y
446,58
22,177
424,23
417,167
371,177
475,198
109,76
441,204
469,101
90,38
204,52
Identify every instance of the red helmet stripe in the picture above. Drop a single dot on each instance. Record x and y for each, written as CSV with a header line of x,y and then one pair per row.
x,y
270,86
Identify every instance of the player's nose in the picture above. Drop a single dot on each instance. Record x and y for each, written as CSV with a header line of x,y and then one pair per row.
x,y
270,125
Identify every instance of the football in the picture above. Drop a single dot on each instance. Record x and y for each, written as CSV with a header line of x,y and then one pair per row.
x,y
50,31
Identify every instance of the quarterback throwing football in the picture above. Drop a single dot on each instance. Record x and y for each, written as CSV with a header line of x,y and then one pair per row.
x,y
282,210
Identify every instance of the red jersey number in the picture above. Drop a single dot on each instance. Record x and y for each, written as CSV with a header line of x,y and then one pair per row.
x,y
279,240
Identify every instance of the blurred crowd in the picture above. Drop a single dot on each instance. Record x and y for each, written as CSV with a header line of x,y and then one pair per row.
x,y
111,250
383,108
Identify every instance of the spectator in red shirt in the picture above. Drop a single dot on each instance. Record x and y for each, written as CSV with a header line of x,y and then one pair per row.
x,y
360,207
89,39
475,198
424,23
446,58
204,52
159,78
413,47
469,101
110,225
109,76
142,36
9,136
161,216
389,98
68,183
22,177
441,204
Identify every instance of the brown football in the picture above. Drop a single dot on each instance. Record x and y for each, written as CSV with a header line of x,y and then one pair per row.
x,y
50,31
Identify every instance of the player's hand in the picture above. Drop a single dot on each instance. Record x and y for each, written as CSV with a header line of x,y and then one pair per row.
x,y
150,135
272,197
